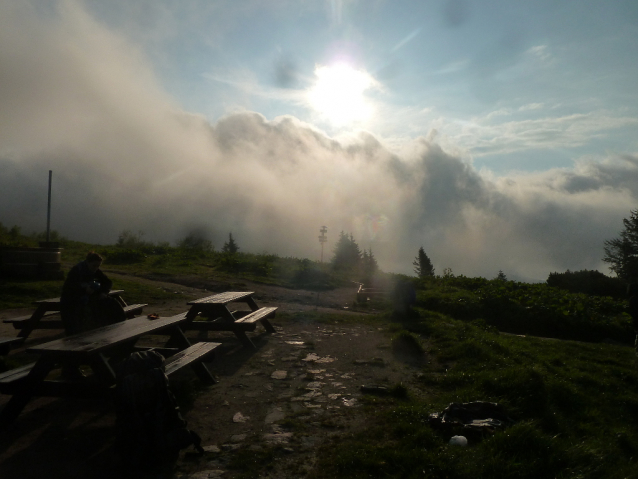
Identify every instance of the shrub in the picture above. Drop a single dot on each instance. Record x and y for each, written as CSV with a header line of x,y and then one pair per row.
x,y
588,282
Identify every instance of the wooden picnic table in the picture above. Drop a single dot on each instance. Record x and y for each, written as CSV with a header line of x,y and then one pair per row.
x,y
218,317
95,348
51,307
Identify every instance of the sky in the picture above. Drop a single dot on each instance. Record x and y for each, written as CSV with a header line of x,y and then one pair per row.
x,y
497,135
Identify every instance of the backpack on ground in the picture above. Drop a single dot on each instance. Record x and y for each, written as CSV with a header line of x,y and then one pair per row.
x,y
150,427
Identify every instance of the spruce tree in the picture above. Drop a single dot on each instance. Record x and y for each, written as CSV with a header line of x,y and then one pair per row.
x,y
622,253
230,246
347,254
369,264
422,265
373,266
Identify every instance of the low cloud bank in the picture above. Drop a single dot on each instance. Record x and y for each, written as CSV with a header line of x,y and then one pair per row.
x,y
81,101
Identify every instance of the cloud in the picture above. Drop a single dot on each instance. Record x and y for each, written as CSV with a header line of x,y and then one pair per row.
x,y
541,53
531,106
484,137
84,102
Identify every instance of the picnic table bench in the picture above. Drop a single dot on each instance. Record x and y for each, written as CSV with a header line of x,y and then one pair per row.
x,y
6,343
218,317
96,348
51,307
364,294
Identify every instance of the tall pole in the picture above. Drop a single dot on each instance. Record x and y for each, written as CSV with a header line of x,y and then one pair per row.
x,y
49,207
322,239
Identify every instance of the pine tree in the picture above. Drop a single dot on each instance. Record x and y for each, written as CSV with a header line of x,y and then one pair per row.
x,y
422,265
347,254
369,264
622,253
373,266
230,246
501,276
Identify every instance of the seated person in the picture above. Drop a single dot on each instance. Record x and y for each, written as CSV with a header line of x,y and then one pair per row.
x,y
84,303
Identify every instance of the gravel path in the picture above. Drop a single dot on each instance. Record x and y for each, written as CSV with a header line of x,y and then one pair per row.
x,y
300,388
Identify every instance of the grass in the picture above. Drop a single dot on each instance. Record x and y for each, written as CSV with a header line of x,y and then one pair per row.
x,y
409,342
22,293
575,404
522,308
575,407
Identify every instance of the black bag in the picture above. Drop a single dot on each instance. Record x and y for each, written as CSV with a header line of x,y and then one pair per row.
x,y
150,427
106,311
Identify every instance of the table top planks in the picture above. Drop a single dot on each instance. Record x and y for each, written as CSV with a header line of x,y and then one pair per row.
x,y
97,340
223,298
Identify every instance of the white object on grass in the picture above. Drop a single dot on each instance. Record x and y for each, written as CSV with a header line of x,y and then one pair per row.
x,y
458,441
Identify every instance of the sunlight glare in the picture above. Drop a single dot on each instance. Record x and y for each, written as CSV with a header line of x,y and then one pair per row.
x,y
339,93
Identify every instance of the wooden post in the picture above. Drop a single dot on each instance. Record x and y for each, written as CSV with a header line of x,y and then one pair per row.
x,y
49,208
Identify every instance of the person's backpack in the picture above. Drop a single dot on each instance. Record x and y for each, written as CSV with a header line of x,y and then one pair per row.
x,y
150,427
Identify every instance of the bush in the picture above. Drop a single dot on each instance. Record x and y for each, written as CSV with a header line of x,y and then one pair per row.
x,y
310,276
587,282
123,256
195,241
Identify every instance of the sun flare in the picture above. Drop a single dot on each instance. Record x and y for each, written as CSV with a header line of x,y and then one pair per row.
x,y
338,93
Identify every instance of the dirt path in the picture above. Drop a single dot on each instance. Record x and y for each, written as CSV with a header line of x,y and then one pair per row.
x,y
300,388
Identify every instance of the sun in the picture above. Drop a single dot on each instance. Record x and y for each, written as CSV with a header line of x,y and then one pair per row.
x,y
338,94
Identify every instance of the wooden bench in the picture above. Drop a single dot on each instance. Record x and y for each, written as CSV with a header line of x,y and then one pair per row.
x,y
195,352
10,380
365,294
6,343
262,314
21,320
130,310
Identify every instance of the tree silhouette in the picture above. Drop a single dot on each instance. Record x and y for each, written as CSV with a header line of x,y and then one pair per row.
x,y
501,276
230,246
422,265
369,264
347,254
622,253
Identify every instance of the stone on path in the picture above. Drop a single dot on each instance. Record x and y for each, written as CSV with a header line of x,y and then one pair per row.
x,y
327,359
312,394
279,375
230,447
239,417
278,438
274,415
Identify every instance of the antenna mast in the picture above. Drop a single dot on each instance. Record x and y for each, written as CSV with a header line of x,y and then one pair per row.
x,y
322,239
